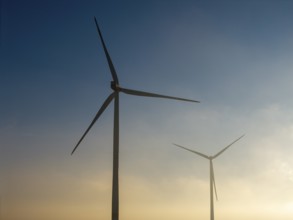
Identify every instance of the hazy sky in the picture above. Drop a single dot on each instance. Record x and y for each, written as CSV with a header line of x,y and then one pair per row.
x,y
233,56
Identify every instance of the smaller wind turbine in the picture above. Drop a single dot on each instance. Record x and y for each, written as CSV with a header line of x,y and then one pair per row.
x,y
212,175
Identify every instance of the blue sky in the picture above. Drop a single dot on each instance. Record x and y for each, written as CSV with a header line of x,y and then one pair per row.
x,y
233,56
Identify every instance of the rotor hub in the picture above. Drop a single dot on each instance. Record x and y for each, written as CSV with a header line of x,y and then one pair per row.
x,y
115,86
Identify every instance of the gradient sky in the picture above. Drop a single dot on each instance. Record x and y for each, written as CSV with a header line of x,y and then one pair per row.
x,y
233,56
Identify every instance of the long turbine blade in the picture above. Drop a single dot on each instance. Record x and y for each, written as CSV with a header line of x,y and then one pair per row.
x,y
111,66
200,154
227,146
101,110
148,94
214,182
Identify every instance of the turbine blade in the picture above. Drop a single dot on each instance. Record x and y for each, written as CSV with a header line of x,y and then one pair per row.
x,y
111,66
198,153
227,146
101,110
214,182
148,94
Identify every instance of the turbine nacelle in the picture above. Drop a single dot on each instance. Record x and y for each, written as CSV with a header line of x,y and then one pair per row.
x,y
115,86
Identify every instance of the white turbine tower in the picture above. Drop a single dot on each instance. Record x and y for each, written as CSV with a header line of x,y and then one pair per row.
x,y
115,95
212,175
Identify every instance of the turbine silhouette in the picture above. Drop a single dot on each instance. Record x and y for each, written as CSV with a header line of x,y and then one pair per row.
x,y
212,175
115,95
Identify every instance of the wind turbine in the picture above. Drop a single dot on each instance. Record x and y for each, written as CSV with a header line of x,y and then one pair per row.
x,y
115,95
212,175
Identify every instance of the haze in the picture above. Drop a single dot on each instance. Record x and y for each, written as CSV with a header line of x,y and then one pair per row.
x,y
233,56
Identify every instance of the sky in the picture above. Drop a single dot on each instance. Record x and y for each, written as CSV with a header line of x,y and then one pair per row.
x,y
233,56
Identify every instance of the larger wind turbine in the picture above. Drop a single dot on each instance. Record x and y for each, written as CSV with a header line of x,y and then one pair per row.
x,y
115,95
212,175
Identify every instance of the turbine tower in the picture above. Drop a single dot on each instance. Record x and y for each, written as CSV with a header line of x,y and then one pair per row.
x,y
115,95
212,175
